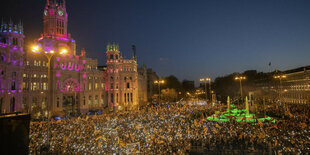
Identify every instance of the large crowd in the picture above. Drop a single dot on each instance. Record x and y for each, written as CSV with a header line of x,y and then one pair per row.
x,y
174,129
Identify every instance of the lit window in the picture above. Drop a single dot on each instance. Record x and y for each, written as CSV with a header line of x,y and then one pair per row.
x,y
96,85
89,100
89,86
96,100
24,75
44,86
34,75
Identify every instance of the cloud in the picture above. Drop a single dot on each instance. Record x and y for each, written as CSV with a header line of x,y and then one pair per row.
x,y
163,59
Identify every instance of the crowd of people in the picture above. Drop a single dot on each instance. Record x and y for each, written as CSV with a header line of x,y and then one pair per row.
x,y
168,129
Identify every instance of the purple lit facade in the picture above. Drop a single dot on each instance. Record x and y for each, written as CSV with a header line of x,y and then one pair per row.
x,y
77,85
11,67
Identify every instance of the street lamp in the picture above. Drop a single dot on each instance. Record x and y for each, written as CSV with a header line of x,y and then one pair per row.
x,y
280,77
240,78
159,82
205,80
49,55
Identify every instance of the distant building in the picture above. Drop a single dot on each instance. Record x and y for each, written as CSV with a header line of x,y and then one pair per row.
x,y
142,84
151,87
121,79
296,86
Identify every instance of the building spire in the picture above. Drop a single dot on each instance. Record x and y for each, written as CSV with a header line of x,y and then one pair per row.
x,y
134,52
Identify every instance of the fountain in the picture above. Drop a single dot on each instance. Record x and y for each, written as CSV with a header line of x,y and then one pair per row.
x,y
238,115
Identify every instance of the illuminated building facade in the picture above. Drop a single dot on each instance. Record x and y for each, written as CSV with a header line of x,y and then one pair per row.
x,y
122,80
51,72
11,66
75,82
296,86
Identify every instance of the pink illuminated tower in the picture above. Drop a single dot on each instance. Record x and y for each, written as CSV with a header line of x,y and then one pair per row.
x,y
55,19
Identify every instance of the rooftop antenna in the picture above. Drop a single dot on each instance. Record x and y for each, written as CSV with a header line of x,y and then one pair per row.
x,y
134,51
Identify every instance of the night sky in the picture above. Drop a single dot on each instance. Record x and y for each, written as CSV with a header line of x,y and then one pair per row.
x,y
189,39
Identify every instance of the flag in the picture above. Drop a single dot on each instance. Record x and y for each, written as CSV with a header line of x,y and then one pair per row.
x,y
218,126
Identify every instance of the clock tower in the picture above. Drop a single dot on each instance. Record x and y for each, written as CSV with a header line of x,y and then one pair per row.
x,y
55,19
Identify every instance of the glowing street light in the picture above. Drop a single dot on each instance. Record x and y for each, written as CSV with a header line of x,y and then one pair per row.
x,y
35,48
205,80
49,55
159,82
64,51
240,78
280,77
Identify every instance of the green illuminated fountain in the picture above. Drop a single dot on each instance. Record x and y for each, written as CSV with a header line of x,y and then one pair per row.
x,y
239,115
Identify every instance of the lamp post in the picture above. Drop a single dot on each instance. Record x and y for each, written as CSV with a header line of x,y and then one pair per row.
x,y
49,55
280,77
240,78
159,82
205,80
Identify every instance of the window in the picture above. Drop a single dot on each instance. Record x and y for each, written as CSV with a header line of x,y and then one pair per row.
x,y
96,85
84,100
24,75
96,100
128,97
34,75
24,86
125,78
35,63
112,97
13,86
125,97
102,99
111,56
102,85
116,97
117,86
15,41
89,100
131,97
89,86
128,85
44,86
34,86
57,102
116,56
3,41
112,86
13,74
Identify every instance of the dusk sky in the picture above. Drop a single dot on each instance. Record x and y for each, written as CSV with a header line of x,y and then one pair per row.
x,y
189,39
